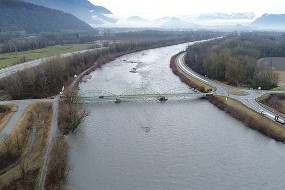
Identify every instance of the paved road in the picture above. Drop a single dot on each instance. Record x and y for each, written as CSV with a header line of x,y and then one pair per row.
x,y
22,106
13,120
249,99
19,67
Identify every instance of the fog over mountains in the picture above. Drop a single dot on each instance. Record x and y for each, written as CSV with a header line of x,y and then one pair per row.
x,y
99,16
270,21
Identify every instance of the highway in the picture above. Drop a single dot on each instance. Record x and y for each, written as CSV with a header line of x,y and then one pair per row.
x,y
248,100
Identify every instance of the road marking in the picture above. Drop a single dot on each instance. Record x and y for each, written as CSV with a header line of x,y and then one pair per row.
x,y
182,66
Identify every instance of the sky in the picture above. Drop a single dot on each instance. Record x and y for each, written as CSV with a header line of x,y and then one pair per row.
x,y
151,9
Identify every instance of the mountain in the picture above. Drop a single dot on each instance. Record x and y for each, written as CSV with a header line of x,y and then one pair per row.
x,y
218,16
174,23
136,19
83,9
270,22
17,15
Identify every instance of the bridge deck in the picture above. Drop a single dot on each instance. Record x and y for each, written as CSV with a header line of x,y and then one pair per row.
x,y
138,97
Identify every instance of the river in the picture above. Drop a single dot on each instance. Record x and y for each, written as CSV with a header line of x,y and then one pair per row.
x,y
186,144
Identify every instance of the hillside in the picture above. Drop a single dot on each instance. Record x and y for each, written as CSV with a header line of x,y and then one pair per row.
x,y
270,22
82,9
17,15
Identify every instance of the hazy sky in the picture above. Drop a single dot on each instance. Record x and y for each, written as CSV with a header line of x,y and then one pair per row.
x,y
151,9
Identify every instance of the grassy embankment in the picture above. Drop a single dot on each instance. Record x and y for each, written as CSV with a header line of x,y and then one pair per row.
x,y
6,112
22,171
71,115
251,118
8,59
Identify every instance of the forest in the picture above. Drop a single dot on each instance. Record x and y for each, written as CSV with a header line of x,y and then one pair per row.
x,y
234,59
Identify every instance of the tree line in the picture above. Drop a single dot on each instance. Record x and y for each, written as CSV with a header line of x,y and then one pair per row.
x,y
234,59
43,40
20,42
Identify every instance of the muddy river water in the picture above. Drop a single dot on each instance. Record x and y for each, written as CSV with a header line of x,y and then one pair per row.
x,y
181,144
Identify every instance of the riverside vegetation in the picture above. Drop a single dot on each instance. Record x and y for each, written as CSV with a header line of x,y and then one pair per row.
x,y
233,59
251,118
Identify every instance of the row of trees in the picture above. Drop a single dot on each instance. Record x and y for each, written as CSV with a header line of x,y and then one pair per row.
x,y
43,40
48,79
233,59
18,43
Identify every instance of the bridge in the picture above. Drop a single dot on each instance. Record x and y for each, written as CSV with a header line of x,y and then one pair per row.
x,y
138,94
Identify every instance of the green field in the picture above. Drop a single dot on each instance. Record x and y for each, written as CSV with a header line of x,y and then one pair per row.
x,y
8,59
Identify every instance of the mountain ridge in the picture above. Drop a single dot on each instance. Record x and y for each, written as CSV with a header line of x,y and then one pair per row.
x,y
270,22
16,15
82,9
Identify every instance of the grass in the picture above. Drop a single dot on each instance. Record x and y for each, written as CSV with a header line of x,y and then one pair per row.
x,y
237,93
5,117
279,88
224,84
33,163
250,117
8,59
239,106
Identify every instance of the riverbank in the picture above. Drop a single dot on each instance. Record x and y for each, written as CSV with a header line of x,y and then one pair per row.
x,y
190,81
251,118
236,109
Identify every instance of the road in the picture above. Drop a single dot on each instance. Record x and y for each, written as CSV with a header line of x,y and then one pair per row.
x,y
248,100
21,108
19,67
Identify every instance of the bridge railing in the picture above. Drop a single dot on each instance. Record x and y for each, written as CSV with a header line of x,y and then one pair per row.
x,y
137,95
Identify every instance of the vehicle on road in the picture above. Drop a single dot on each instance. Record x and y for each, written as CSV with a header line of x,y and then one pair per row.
x,y
279,120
